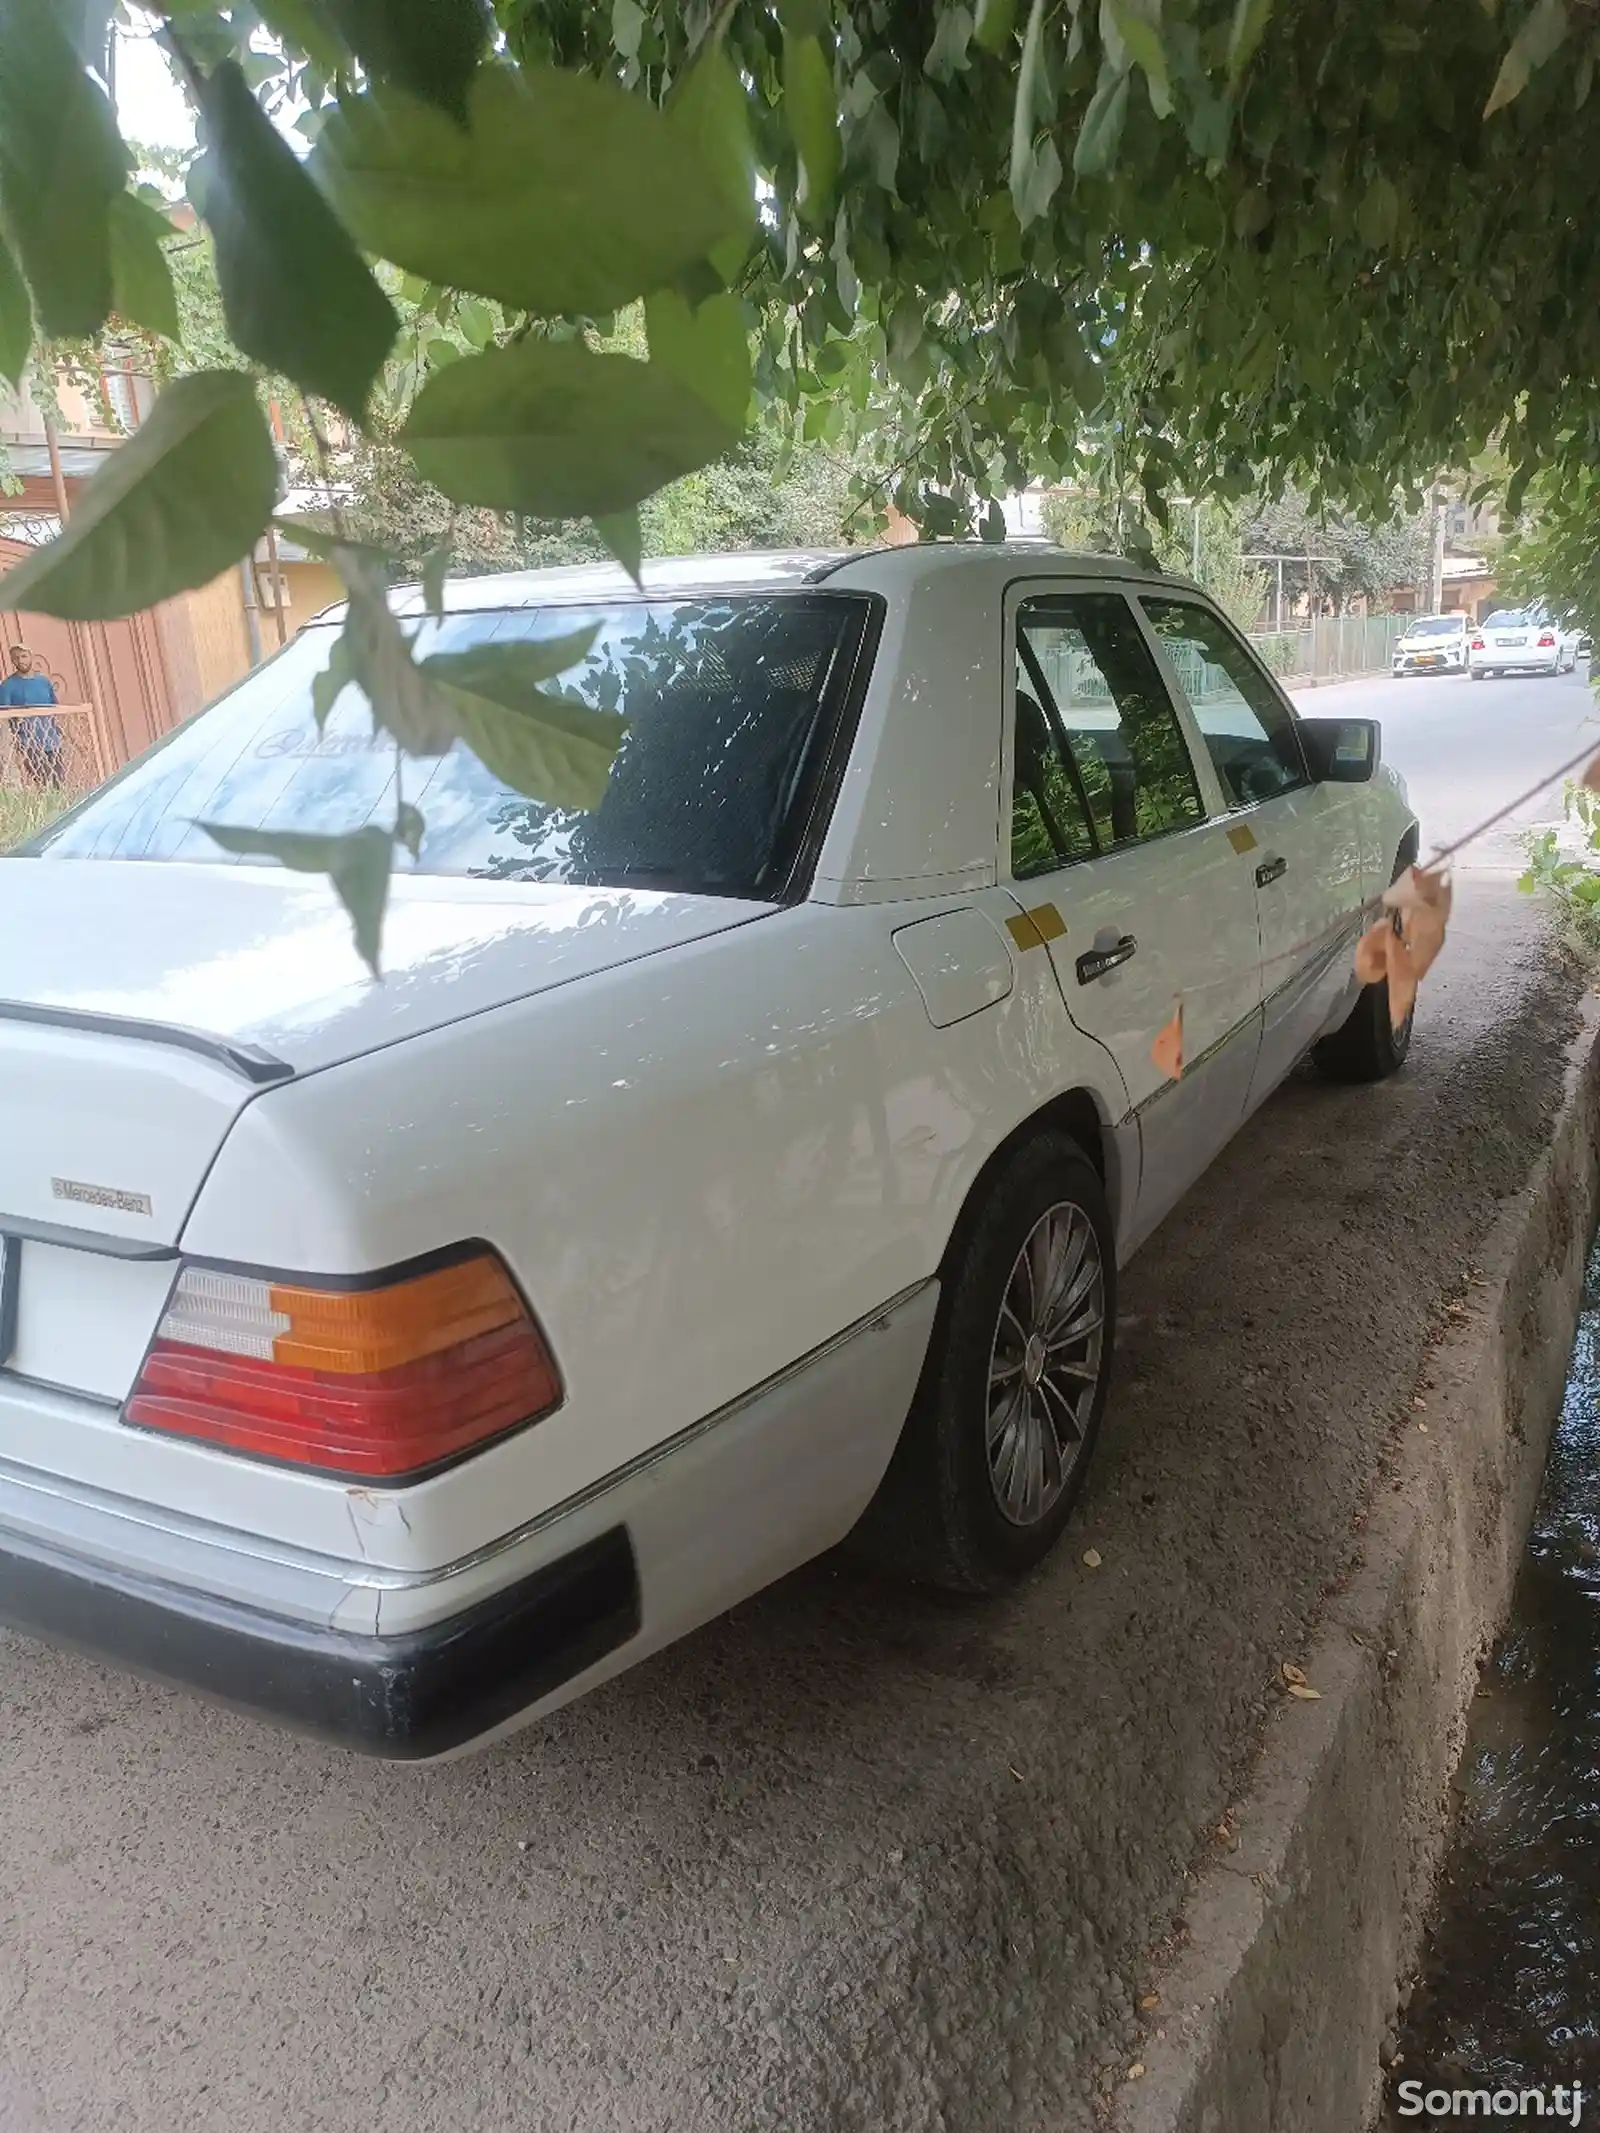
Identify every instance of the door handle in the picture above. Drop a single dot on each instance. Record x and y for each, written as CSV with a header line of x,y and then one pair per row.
x,y
1098,961
1270,870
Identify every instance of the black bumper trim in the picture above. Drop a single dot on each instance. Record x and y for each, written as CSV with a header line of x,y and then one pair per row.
x,y
404,1697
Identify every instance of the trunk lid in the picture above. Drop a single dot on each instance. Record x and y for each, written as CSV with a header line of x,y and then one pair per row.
x,y
143,1005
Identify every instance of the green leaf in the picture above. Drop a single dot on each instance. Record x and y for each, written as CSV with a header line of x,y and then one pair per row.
x,y
1252,213
567,195
623,535
549,747
511,673
708,349
550,429
435,570
1378,213
993,527
141,280
409,827
707,107
62,164
1540,38
358,865
627,27
188,494
328,686
1138,24
1041,182
16,319
297,295
431,47
995,25
813,122
302,25
1245,32
1024,178
1100,135
560,753
404,702
947,55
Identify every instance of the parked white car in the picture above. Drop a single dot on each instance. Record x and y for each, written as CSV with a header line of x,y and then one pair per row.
x,y
1433,644
1521,641
741,1163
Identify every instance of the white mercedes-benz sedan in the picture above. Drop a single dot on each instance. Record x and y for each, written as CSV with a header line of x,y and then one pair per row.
x,y
738,1165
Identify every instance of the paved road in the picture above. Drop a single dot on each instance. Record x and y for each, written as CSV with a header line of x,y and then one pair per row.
x,y
854,1860
1465,748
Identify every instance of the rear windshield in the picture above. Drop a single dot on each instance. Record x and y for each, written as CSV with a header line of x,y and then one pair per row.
x,y
1510,618
730,704
1437,626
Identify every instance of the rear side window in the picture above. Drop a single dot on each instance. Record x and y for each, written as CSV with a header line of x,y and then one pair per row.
x,y
1251,737
1099,759
731,705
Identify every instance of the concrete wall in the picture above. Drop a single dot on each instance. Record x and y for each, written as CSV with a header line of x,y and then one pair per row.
x,y
1274,2015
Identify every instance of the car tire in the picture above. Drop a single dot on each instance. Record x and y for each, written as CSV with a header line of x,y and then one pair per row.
x,y
1366,1046
1474,673
984,1479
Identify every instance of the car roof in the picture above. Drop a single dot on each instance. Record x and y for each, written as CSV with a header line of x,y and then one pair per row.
x,y
881,569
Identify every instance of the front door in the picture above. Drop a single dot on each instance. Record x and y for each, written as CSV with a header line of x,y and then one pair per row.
x,y
1305,848
1135,888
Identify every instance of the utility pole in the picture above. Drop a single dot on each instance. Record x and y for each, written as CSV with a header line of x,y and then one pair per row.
x,y
1436,574
1194,564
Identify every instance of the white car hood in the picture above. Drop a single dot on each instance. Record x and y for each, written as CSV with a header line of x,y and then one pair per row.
x,y
259,956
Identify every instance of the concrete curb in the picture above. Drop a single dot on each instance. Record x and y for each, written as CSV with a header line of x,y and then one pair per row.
x,y
1273,2012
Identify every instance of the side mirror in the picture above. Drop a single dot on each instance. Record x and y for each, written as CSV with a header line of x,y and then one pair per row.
x,y
1342,751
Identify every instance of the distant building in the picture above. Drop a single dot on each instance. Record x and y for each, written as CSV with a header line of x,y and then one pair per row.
x,y
126,683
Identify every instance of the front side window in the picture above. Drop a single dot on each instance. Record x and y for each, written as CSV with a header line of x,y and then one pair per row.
x,y
1100,760
1249,733
729,703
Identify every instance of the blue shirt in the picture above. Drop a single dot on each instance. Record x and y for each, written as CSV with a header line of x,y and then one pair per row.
x,y
27,689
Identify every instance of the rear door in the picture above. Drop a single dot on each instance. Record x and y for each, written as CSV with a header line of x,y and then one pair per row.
x,y
1129,881
1301,841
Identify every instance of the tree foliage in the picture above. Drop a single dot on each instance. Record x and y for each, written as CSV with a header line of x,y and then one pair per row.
x,y
1228,243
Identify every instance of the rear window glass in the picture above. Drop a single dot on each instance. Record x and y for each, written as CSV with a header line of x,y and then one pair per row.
x,y
730,705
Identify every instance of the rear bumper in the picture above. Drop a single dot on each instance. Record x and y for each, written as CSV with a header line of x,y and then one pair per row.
x,y
404,1697
419,1663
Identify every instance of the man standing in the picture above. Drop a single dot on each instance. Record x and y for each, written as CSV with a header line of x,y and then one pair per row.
x,y
38,739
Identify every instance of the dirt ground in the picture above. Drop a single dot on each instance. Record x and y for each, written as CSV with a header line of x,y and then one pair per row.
x,y
852,1858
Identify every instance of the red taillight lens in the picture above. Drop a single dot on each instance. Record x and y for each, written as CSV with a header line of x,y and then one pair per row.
x,y
384,1381
1477,644
1546,640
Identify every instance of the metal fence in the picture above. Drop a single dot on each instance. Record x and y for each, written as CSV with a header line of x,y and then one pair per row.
x,y
1331,646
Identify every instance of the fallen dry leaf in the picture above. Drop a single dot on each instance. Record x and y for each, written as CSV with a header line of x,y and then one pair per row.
x,y
1166,1054
1423,1427
1092,1558
1151,1999
1293,1676
1305,1694
1136,2071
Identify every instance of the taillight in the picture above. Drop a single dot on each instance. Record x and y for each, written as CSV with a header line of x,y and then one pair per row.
x,y
381,1381
1477,644
1546,640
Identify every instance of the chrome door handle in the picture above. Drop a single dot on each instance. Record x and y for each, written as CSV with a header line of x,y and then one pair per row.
x,y
1270,870
1099,960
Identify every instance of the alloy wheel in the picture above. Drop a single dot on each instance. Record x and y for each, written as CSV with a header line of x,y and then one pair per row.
x,y
1045,1363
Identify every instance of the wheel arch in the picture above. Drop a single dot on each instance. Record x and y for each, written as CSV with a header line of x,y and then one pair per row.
x,y
1077,1112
